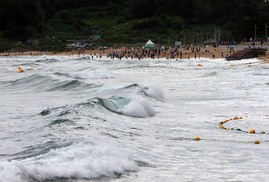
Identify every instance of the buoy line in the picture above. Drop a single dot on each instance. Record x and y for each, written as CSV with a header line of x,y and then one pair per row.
x,y
221,125
251,131
198,138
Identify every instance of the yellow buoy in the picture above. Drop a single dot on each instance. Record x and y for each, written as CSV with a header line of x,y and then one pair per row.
x,y
252,131
20,70
236,118
257,142
197,138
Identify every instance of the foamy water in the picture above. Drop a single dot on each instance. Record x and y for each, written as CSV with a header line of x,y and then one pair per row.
x,y
78,119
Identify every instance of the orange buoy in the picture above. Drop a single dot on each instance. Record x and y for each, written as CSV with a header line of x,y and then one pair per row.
x,y
257,142
200,65
20,70
252,131
197,138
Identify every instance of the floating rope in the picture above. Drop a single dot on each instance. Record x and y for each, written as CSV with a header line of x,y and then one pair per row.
x,y
251,131
221,125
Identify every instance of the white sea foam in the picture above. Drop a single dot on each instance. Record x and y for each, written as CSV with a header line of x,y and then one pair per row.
x,y
9,171
81,161
154,92
197,100
138,107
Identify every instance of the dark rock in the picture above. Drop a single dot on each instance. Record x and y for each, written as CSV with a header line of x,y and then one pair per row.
x,y
247,54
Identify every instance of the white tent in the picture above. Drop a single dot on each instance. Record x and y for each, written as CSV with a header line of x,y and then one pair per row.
x,y
149,44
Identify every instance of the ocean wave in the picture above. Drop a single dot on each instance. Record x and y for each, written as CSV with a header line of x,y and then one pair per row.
x,y
127,90
47,60
92,74
40,149
134,101
47,83
85,160
135,106
60,121
210,74
35,79
153,92
66,85
148,91
35,82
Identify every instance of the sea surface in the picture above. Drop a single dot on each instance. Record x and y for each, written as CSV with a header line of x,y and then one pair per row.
x,y
82,119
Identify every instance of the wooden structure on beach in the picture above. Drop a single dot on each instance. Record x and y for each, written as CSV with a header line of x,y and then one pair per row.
x,y
247,54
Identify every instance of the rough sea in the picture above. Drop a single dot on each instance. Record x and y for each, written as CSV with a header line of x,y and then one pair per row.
x,y
81,119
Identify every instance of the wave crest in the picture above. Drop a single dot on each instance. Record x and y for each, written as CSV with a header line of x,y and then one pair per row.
x,y
88,161
154,92
92,74
135,106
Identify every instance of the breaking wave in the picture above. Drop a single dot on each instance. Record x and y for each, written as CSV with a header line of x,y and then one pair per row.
x,y
84,160
135,106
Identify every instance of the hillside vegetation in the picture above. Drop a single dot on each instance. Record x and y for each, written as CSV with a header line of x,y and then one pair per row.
x,y
108,22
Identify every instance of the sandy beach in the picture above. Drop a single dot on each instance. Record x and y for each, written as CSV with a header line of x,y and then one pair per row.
x,y
125,52
187,53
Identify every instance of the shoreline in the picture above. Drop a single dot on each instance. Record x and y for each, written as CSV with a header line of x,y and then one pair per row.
x,y
191,53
